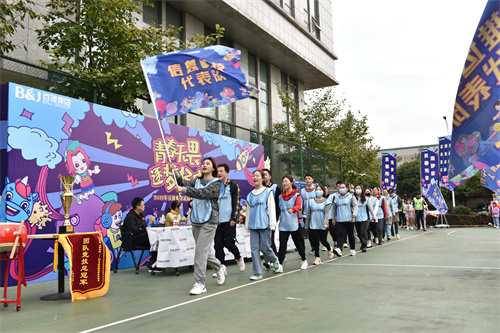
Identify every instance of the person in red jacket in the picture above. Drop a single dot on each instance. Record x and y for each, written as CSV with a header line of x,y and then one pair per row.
x,y
290,204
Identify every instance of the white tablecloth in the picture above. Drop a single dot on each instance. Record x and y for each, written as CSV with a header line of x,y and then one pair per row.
x,y
175,245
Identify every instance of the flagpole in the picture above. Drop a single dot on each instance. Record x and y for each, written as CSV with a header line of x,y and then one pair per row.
x,y
159,123
452,192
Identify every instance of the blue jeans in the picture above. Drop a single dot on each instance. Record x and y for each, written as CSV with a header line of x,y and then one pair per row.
x,y
496,221
388,228
380,230
260,241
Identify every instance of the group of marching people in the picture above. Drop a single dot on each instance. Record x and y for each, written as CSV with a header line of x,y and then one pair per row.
x,y
312,211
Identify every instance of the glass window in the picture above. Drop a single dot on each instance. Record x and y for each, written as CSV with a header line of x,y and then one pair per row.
x,y
252,69
288,6
211,125
253,114
226,112
263,75
151,14
263,116
174,17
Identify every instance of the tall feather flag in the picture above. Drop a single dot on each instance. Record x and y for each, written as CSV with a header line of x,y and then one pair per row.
x,y
476,119
183,81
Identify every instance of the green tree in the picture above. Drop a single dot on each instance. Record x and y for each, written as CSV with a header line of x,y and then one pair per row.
x,y
327,124
409,178
102,42
12,15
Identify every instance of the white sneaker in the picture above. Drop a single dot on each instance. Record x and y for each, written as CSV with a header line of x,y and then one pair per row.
x,y
256,277
376,241
221,275
198,289
241,264
346,246
337,252
303,264
353,253
276,267
324,248
214,275
369,243
397,236
280,270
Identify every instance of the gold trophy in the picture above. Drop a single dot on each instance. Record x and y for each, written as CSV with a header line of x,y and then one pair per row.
x,y
67,200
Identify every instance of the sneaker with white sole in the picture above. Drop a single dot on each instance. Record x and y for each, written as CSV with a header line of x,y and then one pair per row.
x,y
369,244
324,248
267,265
198,289
330,253
346,246
337,252
241,264
221,275
317,261
280,270
376,241
311,252
397,236
352,253
276,267
256,277
303,264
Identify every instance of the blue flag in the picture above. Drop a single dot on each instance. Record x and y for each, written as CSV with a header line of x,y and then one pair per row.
x,y
429,168
389,175
435,197
183,81
490,178
476,118
444,161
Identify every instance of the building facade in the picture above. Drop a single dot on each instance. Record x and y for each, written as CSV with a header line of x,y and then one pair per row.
x,y
405,154
286,42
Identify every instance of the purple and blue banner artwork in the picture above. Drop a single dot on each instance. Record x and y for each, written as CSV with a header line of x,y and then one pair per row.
x,y
428,168
444,161
114,156
476,118
389,174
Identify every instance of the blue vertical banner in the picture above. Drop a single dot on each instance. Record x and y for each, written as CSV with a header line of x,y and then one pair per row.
x,y
444,160
435,197
490,178
476,118
429,168
183,81
389,174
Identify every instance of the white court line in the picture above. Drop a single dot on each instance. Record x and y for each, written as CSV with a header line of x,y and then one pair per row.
x,y
419,266
231,289
450,234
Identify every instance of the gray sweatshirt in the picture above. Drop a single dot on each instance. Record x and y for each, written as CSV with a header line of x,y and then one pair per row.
x,y
210,192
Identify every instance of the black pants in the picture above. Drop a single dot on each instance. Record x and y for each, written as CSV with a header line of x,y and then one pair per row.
x,y
316,236
333,232
225,236
373,230
362,230
344,228
419,216
297,240
143,240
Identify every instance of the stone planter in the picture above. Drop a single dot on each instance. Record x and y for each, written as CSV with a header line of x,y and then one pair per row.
x,y
461,220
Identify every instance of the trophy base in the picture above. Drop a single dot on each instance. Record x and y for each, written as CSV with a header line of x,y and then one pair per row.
x,y
68,229
56,297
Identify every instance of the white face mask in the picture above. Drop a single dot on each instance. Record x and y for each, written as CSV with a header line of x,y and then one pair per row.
x,y
358,191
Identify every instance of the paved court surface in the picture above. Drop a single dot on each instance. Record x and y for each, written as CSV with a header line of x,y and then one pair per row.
x,y
441,280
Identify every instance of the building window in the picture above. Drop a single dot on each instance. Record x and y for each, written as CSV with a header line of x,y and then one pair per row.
x,y
311,17
174,17
288,6
151,14
252,69
263,96
252,113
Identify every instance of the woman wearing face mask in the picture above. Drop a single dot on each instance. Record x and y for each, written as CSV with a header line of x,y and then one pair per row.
x,y
344,212
373,218
381,214
290,204
317,223
261,219
362,221
390,214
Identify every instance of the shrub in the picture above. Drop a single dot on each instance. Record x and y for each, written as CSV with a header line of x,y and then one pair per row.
x,y
461,210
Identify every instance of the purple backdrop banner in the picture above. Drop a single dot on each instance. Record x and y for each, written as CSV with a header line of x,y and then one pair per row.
x,y
114,155
444,161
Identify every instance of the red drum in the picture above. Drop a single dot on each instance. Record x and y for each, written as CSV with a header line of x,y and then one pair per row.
x,y
8,237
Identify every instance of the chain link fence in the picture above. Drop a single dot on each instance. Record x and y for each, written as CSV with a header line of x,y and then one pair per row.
x,y
285,157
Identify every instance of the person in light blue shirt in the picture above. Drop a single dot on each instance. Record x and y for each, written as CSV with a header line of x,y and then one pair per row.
x,y
344,211
317,222
362,221
261,219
